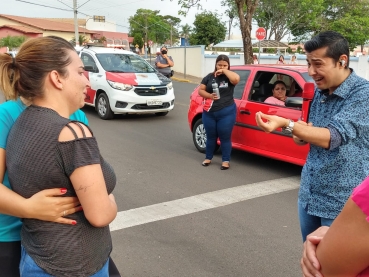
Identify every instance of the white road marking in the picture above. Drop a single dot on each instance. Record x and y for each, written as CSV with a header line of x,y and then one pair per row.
x,y
201,202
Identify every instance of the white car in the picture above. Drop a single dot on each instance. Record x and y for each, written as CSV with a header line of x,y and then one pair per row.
x,y
122,82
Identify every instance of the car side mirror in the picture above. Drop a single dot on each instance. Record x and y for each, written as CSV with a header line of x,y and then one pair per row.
x,y
308,92
91,68
294,102
307,96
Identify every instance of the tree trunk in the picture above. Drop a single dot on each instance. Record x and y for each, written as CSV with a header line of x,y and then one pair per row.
x,y
245,26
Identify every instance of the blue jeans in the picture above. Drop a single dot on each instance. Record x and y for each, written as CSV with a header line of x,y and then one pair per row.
x,y
309,223
28,268
219,124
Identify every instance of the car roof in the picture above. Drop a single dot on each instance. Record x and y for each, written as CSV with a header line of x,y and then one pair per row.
x,y
292,67
107,50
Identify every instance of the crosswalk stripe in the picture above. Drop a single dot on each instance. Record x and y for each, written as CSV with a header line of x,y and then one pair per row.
x,y
201,202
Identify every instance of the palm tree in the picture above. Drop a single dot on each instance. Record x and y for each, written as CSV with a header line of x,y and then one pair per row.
x,y
81,39
186,32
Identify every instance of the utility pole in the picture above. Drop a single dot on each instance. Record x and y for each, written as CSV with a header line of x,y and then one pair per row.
x,y
171,34
76,35
146,28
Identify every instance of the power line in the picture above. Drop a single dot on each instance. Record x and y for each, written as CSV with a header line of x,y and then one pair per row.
x,y
43,5
65,4
84,3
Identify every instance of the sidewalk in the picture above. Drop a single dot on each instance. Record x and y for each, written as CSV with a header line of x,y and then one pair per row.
x,y
179,77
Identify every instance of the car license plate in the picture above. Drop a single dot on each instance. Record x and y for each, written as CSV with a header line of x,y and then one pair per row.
x,y
154,102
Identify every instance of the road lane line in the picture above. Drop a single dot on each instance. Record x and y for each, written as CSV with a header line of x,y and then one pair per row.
x,y
201,202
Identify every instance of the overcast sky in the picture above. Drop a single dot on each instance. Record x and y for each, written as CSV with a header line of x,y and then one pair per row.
x,y
117,11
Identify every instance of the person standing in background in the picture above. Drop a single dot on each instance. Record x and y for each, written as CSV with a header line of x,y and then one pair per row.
x,y
281,60
293,60
219,114
255,59
163,62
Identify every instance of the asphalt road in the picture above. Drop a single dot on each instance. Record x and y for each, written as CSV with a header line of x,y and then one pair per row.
x,y
165,227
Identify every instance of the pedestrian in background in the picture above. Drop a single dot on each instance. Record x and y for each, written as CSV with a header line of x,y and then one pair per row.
x,y
338,132
255,59
281,60
219,114
293,60
163,62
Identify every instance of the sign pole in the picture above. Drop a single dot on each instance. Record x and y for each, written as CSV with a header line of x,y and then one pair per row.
x,y
260,35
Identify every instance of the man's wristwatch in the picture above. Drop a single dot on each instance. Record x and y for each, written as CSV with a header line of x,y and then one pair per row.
x,y
288,130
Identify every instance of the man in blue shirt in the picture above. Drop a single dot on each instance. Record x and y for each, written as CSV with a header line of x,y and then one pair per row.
x,y
338,132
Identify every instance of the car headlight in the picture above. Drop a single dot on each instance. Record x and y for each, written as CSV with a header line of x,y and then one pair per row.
x,y
170,85
120,86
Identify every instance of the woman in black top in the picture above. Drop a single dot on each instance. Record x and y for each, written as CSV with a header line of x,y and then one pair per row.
x,y
219,114
45,150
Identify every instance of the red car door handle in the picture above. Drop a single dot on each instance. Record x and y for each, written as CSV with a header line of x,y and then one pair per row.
x,y
244,112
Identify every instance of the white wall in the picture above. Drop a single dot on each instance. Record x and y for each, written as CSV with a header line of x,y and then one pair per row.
x,y
198,63
188,60
100,26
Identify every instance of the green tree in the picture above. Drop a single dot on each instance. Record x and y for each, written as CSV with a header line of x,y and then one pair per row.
x,y
186,32
153,26
174,25
245,11
350,18
207,29
231,13
279,17
12,42
102,39
137,40
81,40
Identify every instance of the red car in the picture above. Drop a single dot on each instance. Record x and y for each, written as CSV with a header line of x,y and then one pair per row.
x,y
254,87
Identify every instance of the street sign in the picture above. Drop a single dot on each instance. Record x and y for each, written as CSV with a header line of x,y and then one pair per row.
x,y
260,33
150,42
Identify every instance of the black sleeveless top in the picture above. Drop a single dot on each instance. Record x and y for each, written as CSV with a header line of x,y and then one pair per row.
x,y
36,160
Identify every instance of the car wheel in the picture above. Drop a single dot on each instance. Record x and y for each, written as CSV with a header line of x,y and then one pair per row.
x,y
199,137
103,107
161,113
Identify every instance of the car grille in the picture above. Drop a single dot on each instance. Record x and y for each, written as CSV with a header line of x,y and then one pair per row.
x,y
150,91
146,107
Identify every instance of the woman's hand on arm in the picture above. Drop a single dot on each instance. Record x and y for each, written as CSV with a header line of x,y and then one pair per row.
x,y
344,250
44,205
233,77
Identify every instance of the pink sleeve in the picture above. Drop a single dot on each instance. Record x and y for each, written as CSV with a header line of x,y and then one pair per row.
x,y
274,101
270,100
360,196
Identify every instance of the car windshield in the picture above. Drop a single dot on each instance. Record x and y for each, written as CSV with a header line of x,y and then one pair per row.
x,y
124,63
307,78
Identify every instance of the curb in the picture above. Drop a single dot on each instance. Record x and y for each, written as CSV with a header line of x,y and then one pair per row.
x,y
180,80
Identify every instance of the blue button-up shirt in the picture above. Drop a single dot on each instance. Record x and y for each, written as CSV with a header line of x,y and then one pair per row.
x,y
329,175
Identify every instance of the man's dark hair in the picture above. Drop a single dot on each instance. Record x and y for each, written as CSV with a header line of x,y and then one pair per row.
x,y
336,45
